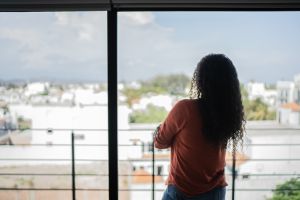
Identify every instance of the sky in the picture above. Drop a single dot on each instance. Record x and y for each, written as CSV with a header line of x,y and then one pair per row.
x,y
71,46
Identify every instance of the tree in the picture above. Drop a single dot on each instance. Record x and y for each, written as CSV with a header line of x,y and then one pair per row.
x,y
290,190
152,114
244,92
24,124
173,84
131,95
256,109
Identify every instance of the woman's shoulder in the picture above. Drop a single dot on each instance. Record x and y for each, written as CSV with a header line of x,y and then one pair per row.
x,y
188,104
189,108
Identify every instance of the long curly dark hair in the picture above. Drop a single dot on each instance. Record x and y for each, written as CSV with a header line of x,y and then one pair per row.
x,y
215,84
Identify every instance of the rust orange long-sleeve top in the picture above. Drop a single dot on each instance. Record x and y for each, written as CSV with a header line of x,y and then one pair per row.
x,y
196,165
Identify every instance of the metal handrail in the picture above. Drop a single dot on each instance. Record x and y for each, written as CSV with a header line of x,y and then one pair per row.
x,y
95,174
132,145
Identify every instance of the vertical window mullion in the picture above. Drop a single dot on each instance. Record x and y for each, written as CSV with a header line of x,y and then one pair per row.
x,y
112,103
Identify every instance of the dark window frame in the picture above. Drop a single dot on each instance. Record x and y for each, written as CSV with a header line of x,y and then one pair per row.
x,y
113,7
149,5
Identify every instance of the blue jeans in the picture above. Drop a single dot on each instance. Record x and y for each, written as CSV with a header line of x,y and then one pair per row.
x,y
172,193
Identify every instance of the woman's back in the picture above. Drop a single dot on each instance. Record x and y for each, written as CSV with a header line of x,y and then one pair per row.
x,y
196,165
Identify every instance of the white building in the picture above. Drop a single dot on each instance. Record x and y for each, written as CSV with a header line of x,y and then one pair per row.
x,y
297,88
258,90
289,113
289,91
288,98
89,97
53,124
36,88
285,92
255,90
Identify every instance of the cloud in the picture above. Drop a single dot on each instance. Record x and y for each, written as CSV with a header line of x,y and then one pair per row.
x,y
138,18
147,48
74,43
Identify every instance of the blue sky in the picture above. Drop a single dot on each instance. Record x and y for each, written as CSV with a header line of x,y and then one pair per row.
x,y
264,46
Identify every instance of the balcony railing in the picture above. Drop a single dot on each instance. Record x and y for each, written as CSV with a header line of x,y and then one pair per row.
x,y
73,161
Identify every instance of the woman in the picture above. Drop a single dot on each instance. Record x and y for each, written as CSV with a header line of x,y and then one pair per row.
x,y
200,129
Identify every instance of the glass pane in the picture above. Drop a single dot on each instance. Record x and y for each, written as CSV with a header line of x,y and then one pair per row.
x,y
53,83
158,52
